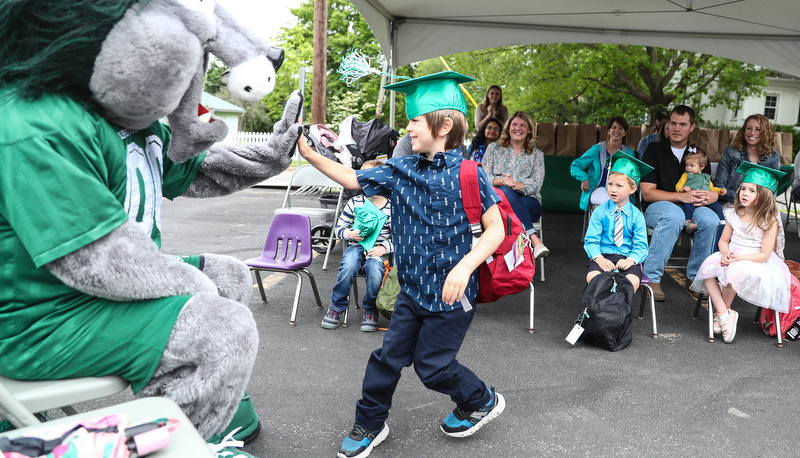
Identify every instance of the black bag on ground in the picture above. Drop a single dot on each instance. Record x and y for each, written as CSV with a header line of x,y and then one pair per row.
x,y
607,299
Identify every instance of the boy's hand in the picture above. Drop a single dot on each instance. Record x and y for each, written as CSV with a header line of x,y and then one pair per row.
x,y
455,284
686,189
723,191
303,148
377,251
624,264
354,235
604,264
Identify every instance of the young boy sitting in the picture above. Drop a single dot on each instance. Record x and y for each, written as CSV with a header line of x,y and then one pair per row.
x,y
616,238
696,160
364,224
435,260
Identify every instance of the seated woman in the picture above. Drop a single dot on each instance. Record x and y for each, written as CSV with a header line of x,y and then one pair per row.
x,y
591,169
516,167
754,143
486,135
492,107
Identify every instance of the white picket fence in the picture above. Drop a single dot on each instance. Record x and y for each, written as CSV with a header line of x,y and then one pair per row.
x,y
245,138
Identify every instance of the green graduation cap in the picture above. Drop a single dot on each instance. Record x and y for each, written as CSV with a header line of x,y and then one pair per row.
x,y
438,91
629,166
760,175
369,222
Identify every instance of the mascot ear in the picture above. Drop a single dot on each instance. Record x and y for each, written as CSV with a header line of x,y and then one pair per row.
x,y
251,80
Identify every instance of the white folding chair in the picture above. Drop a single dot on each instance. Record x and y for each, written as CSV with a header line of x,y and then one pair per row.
x,y
311,182
19,399
538,226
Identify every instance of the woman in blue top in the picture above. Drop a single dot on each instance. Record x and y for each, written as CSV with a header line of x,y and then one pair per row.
x,y
591,168
486,135
753,143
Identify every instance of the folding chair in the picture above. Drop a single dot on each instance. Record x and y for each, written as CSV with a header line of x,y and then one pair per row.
x,y
311,182
784,192
287,249
19,399
587,215
538,226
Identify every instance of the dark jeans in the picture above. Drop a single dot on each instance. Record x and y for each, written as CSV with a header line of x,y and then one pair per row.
x,y
429,340
688,210
527,208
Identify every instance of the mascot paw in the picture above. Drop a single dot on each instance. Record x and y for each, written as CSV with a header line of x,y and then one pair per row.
x,y
287,130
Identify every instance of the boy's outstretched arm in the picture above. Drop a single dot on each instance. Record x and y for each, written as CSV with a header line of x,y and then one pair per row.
x,y
457,279
337,172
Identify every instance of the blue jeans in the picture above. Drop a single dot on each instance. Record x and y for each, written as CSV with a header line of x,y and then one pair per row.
x,y
429,340
688,210
527,208
355,262
667,220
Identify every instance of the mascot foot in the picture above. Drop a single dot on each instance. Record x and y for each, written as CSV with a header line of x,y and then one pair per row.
x,y
245,424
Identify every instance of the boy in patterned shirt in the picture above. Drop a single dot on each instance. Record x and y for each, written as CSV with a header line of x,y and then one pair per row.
x,y
435,260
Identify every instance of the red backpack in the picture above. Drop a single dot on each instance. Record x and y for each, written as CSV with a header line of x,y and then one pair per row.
x,y
790,321
495,280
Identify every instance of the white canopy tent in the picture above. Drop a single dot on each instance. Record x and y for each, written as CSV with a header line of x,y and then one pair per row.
x,y
761,32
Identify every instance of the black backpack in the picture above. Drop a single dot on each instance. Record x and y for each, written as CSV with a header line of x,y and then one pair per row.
x,y
607,299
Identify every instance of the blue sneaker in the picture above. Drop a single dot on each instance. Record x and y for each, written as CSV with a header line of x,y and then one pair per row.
x,y
360,442
462,423
331,320
370,321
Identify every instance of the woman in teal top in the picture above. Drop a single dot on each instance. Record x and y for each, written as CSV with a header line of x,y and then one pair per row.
x,y
591,168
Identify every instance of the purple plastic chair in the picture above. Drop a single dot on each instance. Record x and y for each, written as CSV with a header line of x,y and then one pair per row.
x,y
287,249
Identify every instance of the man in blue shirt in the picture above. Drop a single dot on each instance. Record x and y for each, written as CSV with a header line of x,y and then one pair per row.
x,y
436,264
616,238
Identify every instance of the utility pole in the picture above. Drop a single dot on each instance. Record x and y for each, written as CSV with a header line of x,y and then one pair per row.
x,y
320,61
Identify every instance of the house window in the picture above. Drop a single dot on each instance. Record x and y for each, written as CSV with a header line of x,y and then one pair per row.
x,y
771,107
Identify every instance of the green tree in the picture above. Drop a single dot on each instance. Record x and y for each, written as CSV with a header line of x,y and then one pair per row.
x,y
589,83
347,30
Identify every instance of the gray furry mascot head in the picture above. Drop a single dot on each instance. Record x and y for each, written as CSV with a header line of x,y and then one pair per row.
x,y
84,165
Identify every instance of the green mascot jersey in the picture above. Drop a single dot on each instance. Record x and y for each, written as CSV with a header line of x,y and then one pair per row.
x,y
67,178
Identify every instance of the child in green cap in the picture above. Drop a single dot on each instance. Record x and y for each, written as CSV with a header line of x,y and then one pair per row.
x,y
616,238
365,225
436,264
746,263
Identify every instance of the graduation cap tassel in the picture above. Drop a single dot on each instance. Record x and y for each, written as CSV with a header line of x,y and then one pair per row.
x,y
356,65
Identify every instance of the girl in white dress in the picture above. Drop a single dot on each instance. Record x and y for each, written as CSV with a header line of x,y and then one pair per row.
x,y
746,263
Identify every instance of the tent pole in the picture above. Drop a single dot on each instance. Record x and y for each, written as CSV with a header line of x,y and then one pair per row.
x,y
393,71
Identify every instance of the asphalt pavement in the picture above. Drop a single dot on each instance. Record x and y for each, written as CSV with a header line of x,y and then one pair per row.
x,y
673,395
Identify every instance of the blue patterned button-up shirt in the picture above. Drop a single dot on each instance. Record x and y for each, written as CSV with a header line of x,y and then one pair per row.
x,y
430,229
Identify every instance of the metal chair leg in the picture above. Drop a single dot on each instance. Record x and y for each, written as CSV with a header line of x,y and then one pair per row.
x,y
530,323
293,321
260,286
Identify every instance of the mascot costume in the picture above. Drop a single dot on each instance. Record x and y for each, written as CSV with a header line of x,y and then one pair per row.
x,y
84,164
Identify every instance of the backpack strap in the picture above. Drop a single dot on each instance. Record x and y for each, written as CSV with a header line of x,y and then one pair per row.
x,y
470,195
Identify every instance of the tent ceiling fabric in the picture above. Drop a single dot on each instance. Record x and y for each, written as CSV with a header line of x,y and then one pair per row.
x,y
761,32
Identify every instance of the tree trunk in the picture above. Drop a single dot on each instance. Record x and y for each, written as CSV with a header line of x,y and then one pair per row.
x,y
320,66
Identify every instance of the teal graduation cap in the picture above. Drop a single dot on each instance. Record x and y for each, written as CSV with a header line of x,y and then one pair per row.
x,y
368,222
438,91
760,175
629,166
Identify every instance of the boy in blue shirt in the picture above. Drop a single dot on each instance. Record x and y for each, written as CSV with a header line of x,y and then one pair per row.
x,y
436,263
616,238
